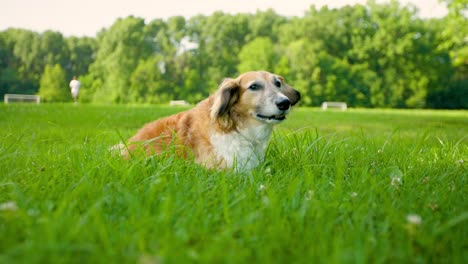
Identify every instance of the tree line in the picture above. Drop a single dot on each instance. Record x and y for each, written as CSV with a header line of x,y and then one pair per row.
x,y
373,55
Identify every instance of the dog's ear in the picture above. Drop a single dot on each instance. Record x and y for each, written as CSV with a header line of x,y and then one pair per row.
x,y
226,96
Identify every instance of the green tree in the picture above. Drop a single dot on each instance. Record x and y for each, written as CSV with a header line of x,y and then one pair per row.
x,y
221,39
259,54
81,54
53,49
265,24
373,55
26,62
455,31
24,55
53,85
148,83
452,32
120,50
9,82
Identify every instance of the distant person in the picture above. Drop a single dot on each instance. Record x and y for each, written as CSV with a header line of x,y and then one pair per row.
x,y
75,88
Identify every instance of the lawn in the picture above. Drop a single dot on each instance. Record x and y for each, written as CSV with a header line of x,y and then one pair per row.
x,y
361,186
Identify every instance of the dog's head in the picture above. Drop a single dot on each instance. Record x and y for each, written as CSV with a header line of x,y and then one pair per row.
x,y
253,97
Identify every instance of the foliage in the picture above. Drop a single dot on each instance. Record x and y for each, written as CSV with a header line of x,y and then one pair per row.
x,y
53,87
373,55
367,186
453,37
257,54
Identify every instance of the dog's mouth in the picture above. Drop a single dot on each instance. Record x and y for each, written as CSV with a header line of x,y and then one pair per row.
x,y
273,118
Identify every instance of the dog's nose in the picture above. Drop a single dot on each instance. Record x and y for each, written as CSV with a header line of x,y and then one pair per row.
x,y
283,104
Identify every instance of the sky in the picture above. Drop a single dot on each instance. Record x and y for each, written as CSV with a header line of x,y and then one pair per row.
x,y
87,17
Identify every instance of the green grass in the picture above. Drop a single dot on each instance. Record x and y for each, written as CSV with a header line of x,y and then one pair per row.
x,y
336,187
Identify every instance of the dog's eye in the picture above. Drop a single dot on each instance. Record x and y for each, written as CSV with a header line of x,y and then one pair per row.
x,y
277,83
254,87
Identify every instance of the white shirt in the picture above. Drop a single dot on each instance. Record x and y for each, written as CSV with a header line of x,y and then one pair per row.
x,y
75,86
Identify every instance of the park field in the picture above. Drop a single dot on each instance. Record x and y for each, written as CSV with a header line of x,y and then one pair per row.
x,y
361,186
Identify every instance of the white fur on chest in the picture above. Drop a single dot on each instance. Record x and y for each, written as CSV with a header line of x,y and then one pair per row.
x,y
244,149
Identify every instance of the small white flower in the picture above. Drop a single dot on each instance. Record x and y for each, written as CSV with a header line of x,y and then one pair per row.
x,y
8,206
396,181
354,194
460,161
414,219
262,187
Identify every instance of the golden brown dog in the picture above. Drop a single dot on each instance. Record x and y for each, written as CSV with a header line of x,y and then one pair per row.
x,y
229,129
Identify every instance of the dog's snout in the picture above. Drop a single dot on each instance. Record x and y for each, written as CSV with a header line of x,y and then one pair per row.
x,y
283,104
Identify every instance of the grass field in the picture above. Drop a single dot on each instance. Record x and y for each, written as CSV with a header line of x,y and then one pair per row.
x,y
362,186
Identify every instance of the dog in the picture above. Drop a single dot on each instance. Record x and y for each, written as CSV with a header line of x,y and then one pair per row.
x,y
228,130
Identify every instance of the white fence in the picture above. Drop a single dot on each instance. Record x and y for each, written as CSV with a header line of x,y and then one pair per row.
x,y
21,98
341,105
178,102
